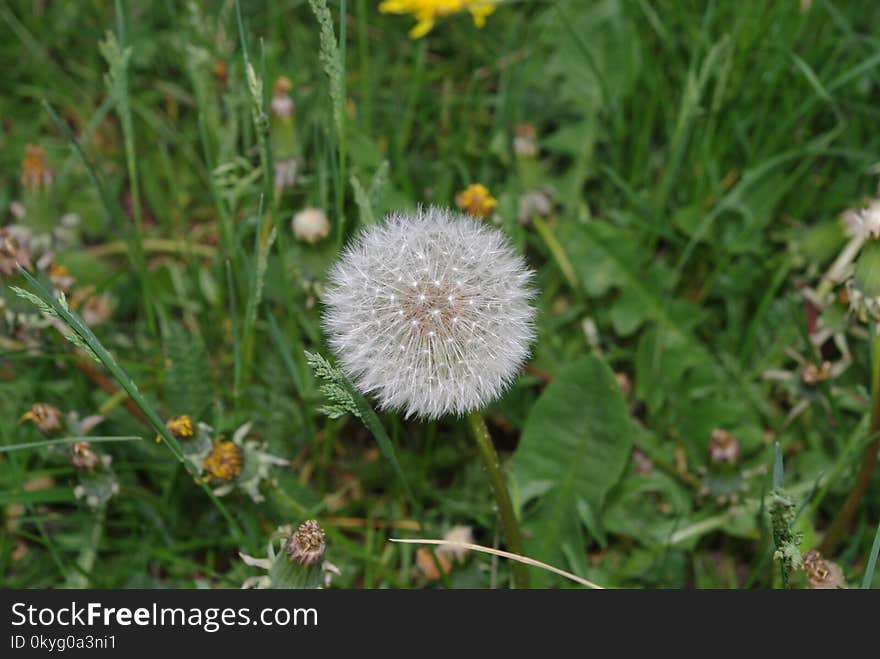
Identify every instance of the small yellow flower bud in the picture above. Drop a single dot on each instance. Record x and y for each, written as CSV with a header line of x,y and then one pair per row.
x,y
181,427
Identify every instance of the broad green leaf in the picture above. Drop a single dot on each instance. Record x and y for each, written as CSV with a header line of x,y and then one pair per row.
x,y
574,447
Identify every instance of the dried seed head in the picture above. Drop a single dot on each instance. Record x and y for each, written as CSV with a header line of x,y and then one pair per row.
x,y
430,312
307,545
46,417
223,462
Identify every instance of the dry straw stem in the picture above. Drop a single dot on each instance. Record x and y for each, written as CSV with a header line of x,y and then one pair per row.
x,y
504,554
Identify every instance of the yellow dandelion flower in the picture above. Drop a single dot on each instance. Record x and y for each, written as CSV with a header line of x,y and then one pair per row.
x,y
476,200
426,12
181,427
223,462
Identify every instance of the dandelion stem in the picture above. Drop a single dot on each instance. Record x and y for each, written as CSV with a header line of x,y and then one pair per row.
x,y
844,518
80,575
502,496
558,252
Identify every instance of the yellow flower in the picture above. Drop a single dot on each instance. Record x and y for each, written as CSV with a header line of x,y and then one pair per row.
x,y
179,426
475,200
426,12
223,462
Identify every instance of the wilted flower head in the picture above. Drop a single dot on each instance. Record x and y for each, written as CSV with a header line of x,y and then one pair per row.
x,y
426,12
864,223
534,202
430,312
285,173
822,574
47,418
282,104
524,144
310,225
35,171
476,200
223,462
82,456
240,463
296,563
96,310
723,447
308,544
12,252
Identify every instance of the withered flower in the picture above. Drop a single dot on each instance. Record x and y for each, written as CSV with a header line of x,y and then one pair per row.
x,y
307,545
83,457
47,418
223,462
35,171
822,574
723,447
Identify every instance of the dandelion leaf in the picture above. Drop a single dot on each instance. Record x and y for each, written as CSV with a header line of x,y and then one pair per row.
x,y
574,448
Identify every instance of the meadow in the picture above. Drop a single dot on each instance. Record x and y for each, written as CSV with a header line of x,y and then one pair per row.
x,y
694,186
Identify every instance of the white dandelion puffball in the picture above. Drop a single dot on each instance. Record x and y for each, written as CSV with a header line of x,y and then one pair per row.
x,y
430,313
310,225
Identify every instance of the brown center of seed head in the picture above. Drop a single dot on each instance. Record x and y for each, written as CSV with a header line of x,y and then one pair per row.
x,y
433,308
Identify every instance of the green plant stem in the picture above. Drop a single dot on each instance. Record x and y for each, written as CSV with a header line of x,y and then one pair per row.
x,y
558,252
68,440
123,109
76,324
844,518
341,134
79,578
502,497
872,560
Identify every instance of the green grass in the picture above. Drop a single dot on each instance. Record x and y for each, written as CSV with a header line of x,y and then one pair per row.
x,y
698,156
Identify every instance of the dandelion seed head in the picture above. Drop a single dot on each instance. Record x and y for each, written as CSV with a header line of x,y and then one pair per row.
x,y
310,225
430,313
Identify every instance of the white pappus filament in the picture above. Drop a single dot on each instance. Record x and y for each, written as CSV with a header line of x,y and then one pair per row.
x,y
430,312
